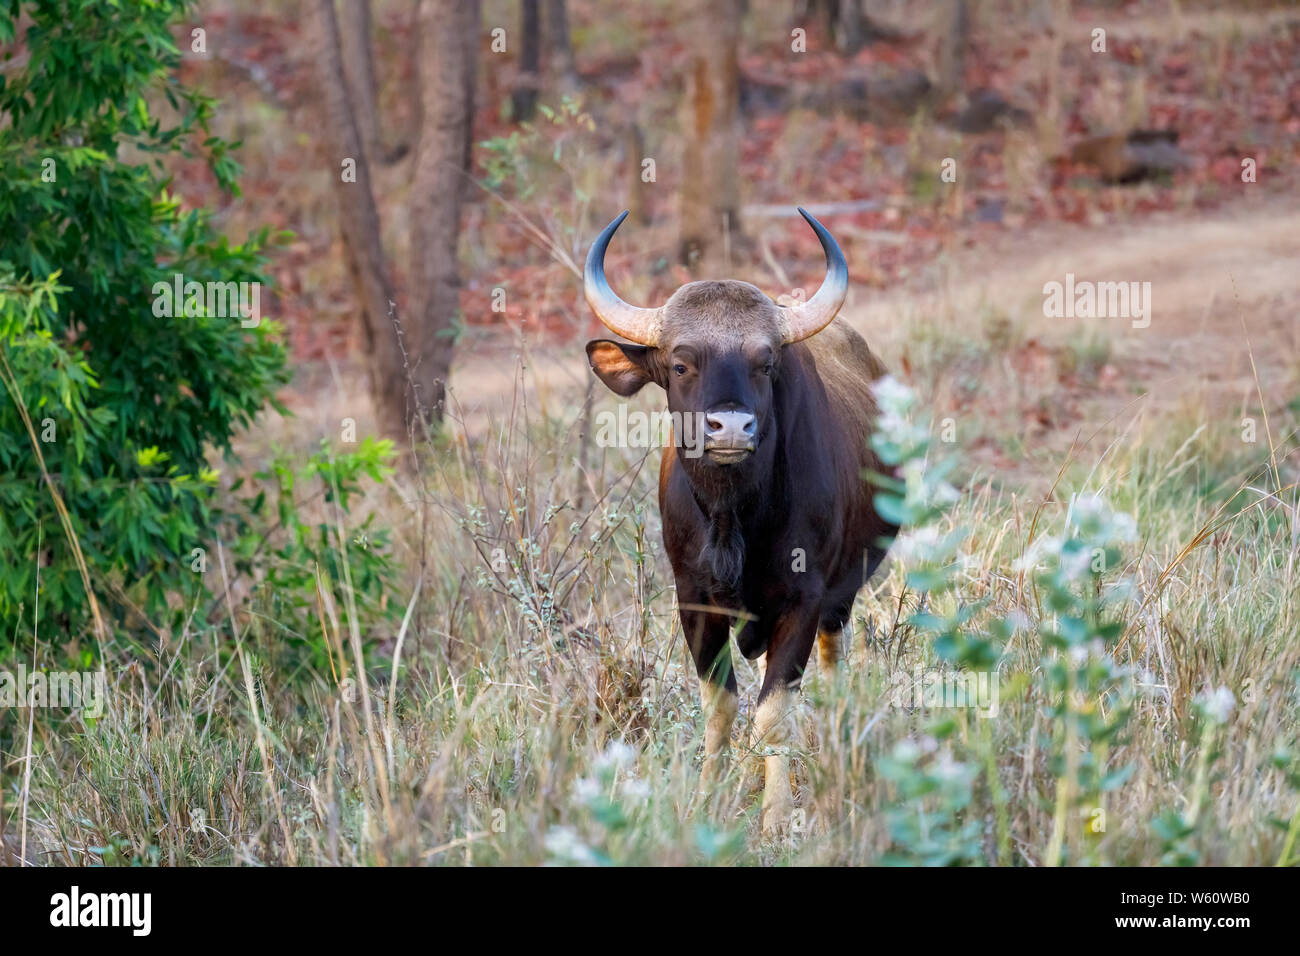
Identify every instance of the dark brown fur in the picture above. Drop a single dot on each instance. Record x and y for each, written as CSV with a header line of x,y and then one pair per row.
x,y
790,534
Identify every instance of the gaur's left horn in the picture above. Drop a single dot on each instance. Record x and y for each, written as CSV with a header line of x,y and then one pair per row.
x,y
815,314
633,323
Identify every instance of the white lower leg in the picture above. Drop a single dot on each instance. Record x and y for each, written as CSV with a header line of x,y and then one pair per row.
x,y
773,734
721,706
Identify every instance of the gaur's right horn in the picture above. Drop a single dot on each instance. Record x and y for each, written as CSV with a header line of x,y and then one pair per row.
x,y
635,324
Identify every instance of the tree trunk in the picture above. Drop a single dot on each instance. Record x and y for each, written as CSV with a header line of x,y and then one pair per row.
x,y
954,39
839,22
710,196
528,84
559,47
359,65
359,221
448,41
847,27
844,25
409,73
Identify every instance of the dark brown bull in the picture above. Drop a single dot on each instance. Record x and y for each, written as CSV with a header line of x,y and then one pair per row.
x,y
774,520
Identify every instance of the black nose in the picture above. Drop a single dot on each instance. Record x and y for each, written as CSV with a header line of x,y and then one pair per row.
x,y
730,428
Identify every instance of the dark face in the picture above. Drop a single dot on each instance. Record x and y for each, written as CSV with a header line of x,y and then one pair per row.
x,y
720,356
725,394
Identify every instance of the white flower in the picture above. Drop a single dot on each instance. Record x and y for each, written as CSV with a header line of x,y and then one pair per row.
x,y
1076,564
917,544
1092,515
893,395
1037,552
1018,620
1217,705
636,790
564,844
1089,506
617,755
945,768
923,488
906,751
894,421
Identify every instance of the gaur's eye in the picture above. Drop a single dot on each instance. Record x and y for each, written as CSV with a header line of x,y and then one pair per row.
x,y
767,369
679,368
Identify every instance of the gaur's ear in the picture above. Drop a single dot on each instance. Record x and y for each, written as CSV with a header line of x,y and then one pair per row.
x,y
624,368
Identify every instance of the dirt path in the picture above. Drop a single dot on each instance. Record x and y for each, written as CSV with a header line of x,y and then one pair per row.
x,y
1225,308
1201,267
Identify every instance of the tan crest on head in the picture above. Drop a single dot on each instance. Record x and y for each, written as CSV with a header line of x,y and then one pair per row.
x,y
720,313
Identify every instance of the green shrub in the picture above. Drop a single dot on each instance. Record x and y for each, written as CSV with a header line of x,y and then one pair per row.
x,y
117,388
1088,695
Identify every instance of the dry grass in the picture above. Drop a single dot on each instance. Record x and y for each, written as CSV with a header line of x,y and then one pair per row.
x,y
543,640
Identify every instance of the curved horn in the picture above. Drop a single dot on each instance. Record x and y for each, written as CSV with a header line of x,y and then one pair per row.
x,y
815,314
635,324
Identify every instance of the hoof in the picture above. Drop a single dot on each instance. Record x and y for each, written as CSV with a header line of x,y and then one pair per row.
x,y
778,824
778,801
